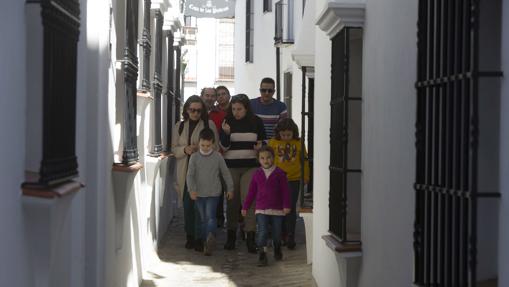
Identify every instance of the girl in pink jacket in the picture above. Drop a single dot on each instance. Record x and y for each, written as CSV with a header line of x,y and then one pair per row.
x,y
269,187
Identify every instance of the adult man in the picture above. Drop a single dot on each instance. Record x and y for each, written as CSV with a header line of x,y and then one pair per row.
x,y
209,96
270,110
223,97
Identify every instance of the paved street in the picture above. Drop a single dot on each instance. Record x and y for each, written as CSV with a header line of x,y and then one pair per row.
x,y
182,267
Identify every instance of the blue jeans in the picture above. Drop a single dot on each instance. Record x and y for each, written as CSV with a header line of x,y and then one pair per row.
x,y
207,208
262,222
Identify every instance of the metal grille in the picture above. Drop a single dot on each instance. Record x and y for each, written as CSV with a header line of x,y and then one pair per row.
x,y
340,170
61,24
130,69
157,85
249,30
445,239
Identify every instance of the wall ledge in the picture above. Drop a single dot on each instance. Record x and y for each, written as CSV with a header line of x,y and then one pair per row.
x,y
120,167
343,249
34,189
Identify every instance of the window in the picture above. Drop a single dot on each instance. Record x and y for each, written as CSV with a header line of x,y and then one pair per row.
x,y
249,30
457,91
157,85
267,5
130,70
225,41
170,90
284,22
147,48
53,147
287,98
345,136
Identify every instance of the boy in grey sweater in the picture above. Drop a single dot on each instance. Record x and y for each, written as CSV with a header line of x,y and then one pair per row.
x,y
204,185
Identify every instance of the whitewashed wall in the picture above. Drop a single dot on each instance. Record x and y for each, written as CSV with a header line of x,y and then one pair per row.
x,y
388,157
249,75
503,260
13,256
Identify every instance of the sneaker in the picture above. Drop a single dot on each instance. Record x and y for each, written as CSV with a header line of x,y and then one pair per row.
x,y
210,244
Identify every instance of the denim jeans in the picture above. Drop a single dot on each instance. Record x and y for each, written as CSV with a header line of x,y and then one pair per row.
x,y
263,222
207,208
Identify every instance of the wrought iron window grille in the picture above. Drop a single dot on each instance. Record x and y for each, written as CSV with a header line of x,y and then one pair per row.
x,y
447,142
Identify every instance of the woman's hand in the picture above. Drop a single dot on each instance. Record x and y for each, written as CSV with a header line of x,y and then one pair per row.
x,y
226,128
190,149
194,195
229,195
243,212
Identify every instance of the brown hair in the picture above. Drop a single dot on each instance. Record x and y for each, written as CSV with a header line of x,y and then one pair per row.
x,y
196,99
286,124
265,148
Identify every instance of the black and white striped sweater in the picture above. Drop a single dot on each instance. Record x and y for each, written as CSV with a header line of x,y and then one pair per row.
x,y
238,147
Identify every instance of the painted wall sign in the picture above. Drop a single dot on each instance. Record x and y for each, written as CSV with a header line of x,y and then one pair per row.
x,y
210,8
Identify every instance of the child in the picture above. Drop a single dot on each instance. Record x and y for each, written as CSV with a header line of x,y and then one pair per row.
x,y
288,149
269,187
204,185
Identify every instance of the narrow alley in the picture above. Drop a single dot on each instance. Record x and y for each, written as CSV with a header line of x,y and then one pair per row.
x,y
183,267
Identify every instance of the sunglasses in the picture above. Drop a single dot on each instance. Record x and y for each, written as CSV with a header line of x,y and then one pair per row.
x,y
191,110
269,91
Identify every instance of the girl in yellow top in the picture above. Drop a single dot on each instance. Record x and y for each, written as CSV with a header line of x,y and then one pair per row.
x,y
287,147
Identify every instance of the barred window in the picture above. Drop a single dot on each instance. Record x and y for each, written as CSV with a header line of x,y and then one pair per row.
x,y
345,136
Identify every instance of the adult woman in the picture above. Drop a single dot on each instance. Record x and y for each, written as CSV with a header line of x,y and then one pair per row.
x,y
241,136
184,143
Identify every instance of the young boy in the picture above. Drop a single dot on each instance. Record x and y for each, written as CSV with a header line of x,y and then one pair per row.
x,y
269,187
204,185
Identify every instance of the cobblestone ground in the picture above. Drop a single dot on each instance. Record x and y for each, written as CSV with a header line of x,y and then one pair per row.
x,y
181,267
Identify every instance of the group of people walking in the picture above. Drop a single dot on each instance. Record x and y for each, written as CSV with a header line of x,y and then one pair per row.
x,y
247,152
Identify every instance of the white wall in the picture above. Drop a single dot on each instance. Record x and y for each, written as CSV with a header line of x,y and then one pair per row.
x,y
249,75
13,256
325,265
388,157
503,260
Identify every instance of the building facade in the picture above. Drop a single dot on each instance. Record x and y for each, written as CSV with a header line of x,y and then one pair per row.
x,y
94,89
406,102
209,58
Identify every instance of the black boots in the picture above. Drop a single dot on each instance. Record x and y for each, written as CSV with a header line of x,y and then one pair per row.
x,y
198,245
290,243
230,240
250,242
278,255
262,258
189,242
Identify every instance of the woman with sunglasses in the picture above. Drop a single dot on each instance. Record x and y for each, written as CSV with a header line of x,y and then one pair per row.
x,y
241,136
184,143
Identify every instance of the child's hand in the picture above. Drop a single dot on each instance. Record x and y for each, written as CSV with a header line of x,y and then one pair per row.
x,y
258,145
226,127
229,195
194,195
243,212
286,210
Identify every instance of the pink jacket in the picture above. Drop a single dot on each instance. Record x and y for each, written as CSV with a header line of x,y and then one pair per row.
x,y
269,193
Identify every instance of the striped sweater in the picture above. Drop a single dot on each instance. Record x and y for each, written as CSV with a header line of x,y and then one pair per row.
x,y
269,113
239,145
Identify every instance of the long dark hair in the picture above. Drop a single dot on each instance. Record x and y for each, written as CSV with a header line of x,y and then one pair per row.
x,y
286,124
204,116
244,100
